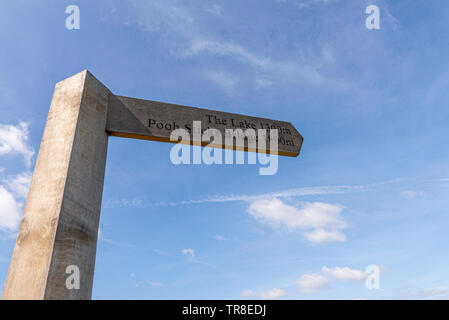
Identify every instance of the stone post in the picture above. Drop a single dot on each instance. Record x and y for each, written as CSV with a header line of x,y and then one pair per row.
x,y
59,227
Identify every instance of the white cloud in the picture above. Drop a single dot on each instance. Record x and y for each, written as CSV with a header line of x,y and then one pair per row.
x,y
319,236
323,218
312,283
345,274
412,194
272,294
20,184
224,80
311,214
14,140
189,252
219,237
9,210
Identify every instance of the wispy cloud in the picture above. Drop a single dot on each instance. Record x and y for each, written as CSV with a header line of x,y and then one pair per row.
x,y
283,194
214,9
144,284
338,59
156,284
409,194
301,4
230,49
297,192
102,238
186,34
219,238
188,252
123,203
271,294
224,80
263,82
434,293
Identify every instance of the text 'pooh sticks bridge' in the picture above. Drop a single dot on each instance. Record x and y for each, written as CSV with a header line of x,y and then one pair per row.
x,y
59,227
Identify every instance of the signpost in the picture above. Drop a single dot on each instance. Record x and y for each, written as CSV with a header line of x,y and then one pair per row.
x,y
152,120
59,228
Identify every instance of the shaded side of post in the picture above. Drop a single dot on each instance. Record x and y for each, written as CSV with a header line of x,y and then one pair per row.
x,y
60,222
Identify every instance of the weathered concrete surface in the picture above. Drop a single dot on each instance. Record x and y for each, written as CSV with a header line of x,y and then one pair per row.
x,y
60,221
152,120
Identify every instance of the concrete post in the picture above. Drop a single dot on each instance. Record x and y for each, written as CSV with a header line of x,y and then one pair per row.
x,y
59,227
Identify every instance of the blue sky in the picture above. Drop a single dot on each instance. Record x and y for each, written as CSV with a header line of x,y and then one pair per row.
x,y
369,187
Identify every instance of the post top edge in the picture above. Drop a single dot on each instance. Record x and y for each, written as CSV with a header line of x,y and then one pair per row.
x,y
83,76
